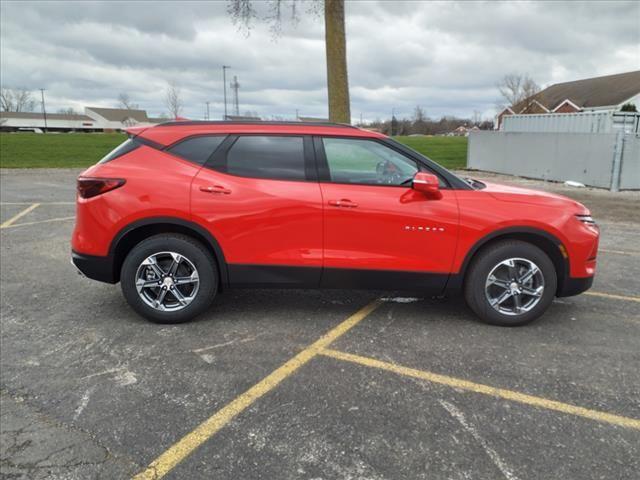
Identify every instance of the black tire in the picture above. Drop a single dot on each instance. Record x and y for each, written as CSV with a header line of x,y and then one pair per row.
x,y
187,247
482,265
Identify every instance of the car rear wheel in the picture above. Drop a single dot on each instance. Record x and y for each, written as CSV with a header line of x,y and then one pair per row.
x,y
510,283
169,278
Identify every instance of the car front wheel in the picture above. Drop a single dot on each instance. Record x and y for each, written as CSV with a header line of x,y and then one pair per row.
x,y
169,278
510,283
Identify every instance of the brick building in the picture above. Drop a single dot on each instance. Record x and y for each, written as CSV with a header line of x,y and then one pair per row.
x,y
592,94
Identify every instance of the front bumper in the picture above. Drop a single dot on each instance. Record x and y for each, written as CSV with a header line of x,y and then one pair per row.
x,y
573,286
96,268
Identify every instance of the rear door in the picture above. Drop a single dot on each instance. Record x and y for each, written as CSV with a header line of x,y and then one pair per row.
x,y
379,232
259,197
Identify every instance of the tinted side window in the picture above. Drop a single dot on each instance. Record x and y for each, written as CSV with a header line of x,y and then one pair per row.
x,y
197,149
127,146
367,162
278,158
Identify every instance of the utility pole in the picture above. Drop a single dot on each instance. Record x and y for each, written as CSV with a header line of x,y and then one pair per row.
x,y
236,86
208,117
44,110
224,82
394,122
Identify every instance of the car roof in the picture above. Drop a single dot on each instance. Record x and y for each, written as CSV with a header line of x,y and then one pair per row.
x,y
171,132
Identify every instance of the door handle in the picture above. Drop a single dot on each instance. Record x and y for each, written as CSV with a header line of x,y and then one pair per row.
x,y
343,203
215,189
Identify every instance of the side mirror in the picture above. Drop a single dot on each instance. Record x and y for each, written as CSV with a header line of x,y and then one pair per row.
x,y
428,184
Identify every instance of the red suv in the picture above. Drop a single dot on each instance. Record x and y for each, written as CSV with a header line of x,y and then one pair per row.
x,y
184,210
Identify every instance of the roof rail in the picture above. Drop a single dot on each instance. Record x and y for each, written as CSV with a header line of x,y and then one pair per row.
x,y
252,122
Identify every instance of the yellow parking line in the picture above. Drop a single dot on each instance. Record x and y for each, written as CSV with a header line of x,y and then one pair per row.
x,y
486,389
613,296
61,219
19,215
185,446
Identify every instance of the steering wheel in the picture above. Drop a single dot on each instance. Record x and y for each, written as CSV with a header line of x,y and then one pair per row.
x,y
388,173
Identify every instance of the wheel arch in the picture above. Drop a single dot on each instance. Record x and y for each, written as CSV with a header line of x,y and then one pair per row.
x,y
135,232
547,242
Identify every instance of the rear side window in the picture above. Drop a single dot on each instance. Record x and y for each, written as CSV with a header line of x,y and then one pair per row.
x,y
197,149
129,145
270,157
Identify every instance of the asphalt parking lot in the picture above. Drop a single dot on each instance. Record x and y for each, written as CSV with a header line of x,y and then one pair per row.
x,y
309,384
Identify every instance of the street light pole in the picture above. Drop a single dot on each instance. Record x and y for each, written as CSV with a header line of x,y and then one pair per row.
x,y
224,81
208,117
44,110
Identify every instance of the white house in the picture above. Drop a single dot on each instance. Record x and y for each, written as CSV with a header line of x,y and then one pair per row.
x,y
15,121
119,118
94,119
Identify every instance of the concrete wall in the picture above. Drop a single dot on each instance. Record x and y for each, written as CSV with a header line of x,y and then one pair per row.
x,y
582,157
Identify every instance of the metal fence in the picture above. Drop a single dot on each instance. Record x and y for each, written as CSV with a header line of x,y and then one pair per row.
x,y
581,122
606,160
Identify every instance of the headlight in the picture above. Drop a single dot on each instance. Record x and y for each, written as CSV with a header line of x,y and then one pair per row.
x,y
589,222
588,219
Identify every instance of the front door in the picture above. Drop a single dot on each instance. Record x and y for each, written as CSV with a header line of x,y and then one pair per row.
x,y
379,232
260,200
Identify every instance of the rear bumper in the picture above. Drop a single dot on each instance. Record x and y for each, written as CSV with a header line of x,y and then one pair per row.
x,y
573,286
96,268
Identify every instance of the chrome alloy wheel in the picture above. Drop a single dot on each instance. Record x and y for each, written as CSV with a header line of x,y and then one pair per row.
x,y
167,281
514,286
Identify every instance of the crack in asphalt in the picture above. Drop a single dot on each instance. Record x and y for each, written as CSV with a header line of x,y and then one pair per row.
x,y
23,441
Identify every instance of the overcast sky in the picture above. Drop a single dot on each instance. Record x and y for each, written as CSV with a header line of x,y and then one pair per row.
x,y
446,57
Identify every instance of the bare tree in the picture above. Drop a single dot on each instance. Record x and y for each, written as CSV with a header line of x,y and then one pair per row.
x,y
529,87
67,111
173,99
6,100
419,124
16,100
516,87
125,102
419,115
243,14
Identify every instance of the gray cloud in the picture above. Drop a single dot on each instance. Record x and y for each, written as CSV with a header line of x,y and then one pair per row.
x,y
445,56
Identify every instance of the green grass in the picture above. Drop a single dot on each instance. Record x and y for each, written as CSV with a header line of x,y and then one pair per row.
x,y
450,152
33,150
55,150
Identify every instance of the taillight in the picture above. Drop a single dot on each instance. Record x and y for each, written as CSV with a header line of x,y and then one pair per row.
x,y
90,187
